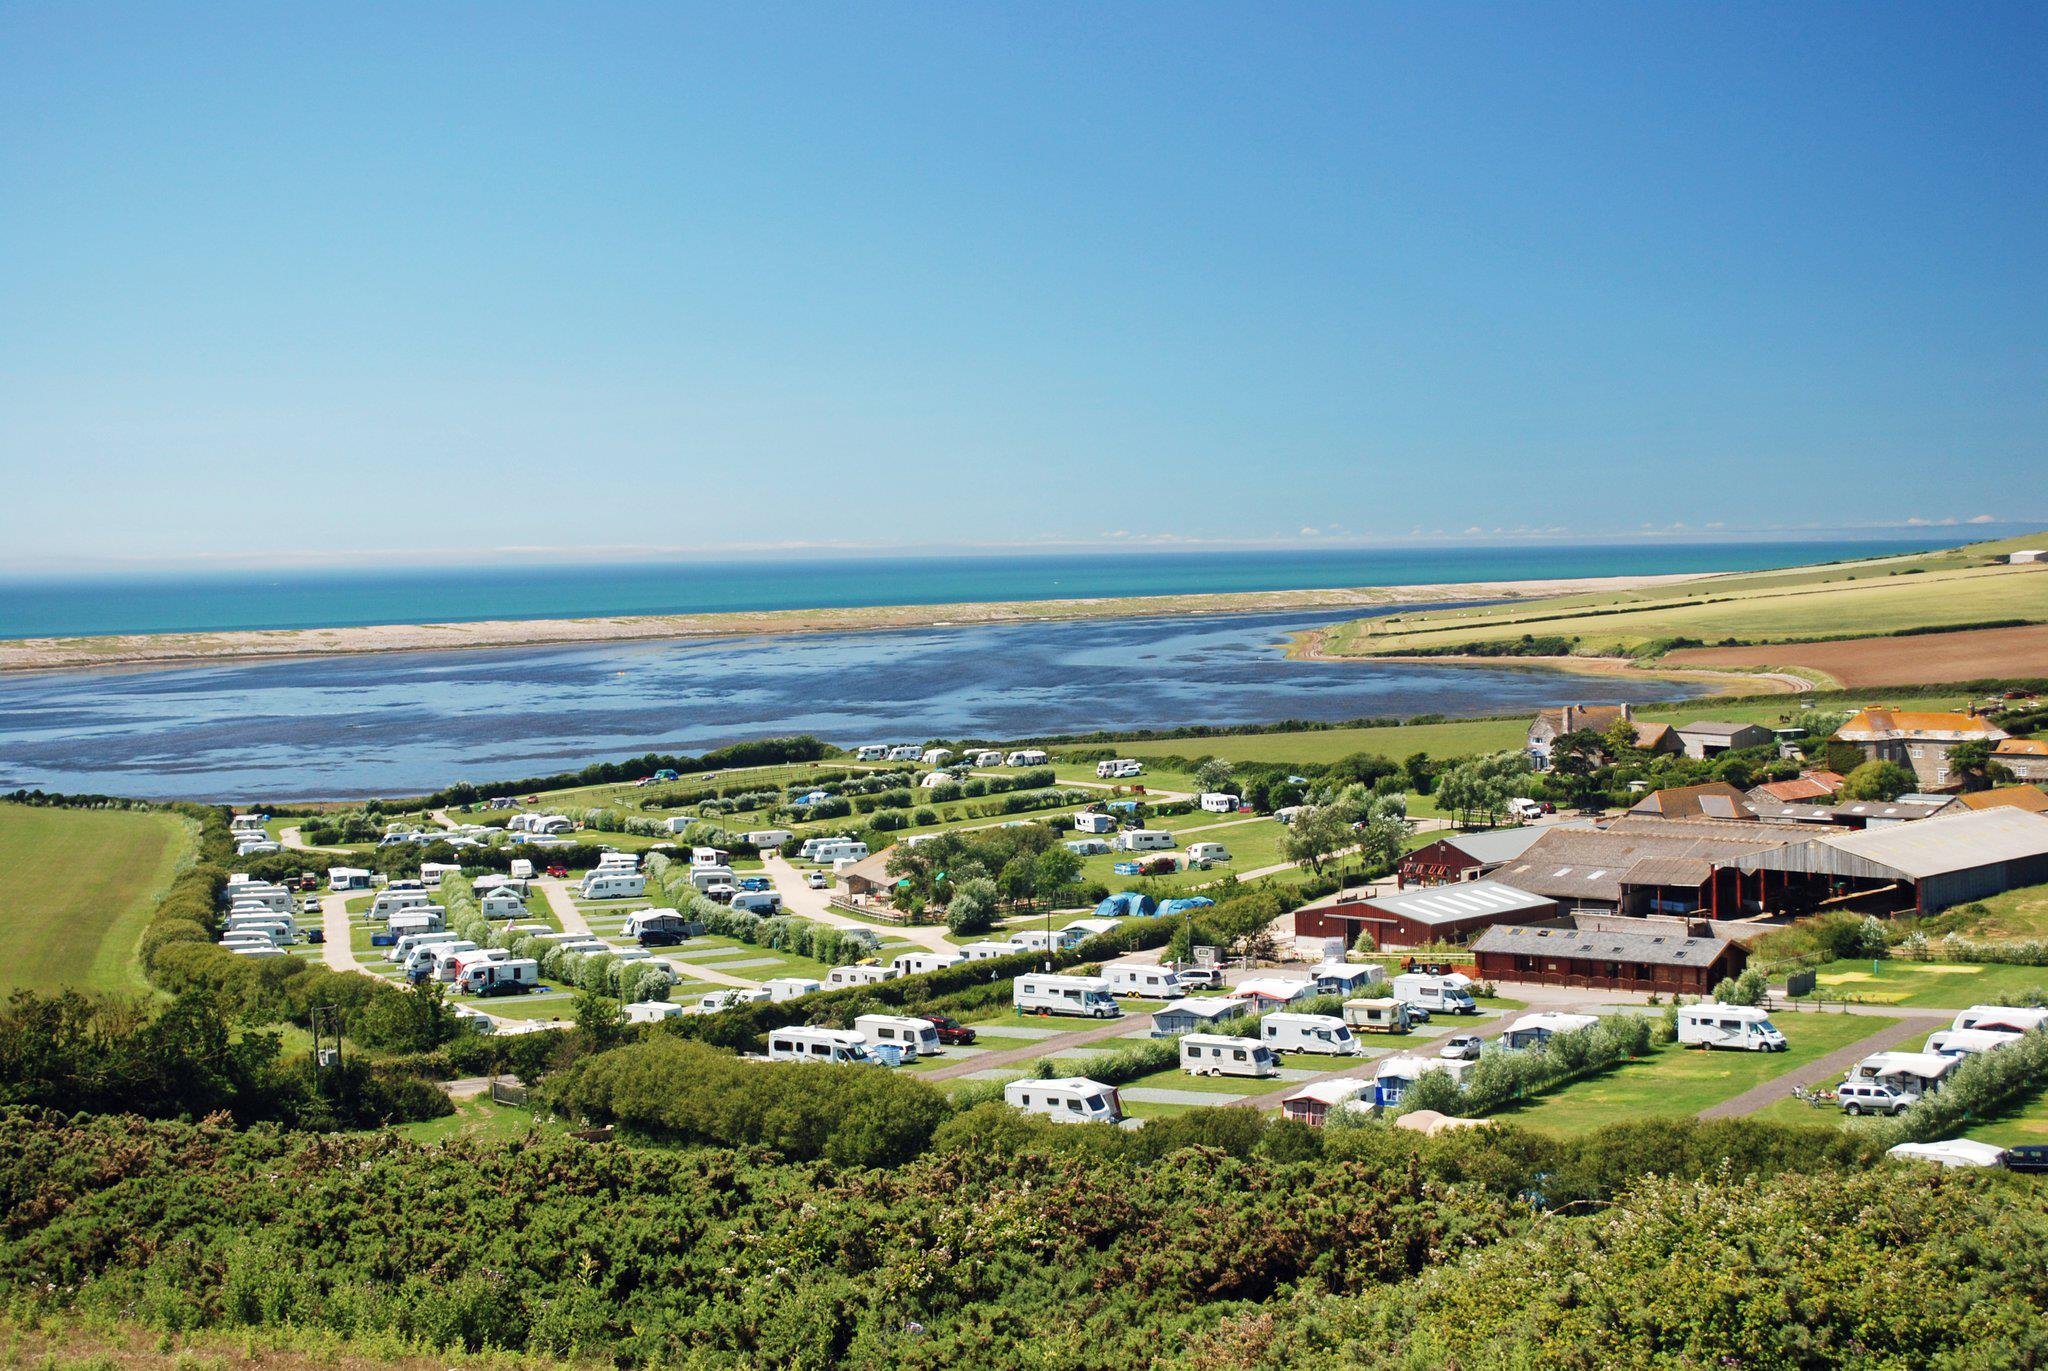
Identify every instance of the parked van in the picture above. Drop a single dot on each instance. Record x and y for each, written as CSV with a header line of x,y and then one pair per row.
x,y
1742,1027
790,988
1070,1099
916,1037
1147,980
1871,1097
1201,854
766,903
1210,1054
1525,811
1437,994
839,977
612,885
817,1045
871,752
1086,996
1142,840
905,752
1323,1034
1118,768
1376,1016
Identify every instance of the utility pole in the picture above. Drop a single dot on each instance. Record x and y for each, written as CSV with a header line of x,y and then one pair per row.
x,y
326,1025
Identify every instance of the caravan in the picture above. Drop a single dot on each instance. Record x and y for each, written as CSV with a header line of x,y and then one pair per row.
x,y
612,885
840,977
1142,840
915,1037
1437,994
392,901
1094,821
1118,769
1322,1034
1996,1016
1029,756
790,988
657,927
1376,1016
505,976
1086,996
1208,1054
1742,1027
918,963
817,1045
1070,1099
1148,980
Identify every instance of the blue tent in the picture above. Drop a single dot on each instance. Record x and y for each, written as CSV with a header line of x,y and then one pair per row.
x,y
1124,904
1172,907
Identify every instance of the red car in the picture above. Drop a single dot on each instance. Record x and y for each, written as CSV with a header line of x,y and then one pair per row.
x,y
952,1032
558,871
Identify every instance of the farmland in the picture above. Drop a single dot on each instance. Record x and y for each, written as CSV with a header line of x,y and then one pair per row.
x,y
1971,655
76,887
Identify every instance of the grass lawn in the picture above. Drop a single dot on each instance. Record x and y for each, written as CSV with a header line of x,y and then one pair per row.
x,y
76,890
476,1120
1173,1078
1926,985
2029,1124
2016,914
1675,1082
784,963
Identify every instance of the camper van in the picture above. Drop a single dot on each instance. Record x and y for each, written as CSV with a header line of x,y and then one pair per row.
x,y
839,977
1118,769
1203,854
1742,1027
1086,996
1070,1099
1965,1042
871,752
790,988
510,976
1095,823
916,1037
2001,1016
1376,1016
1437,994
612,885
918,963
1322,1034
1210,1054
817,1045
1148,980
1525,811
1142,840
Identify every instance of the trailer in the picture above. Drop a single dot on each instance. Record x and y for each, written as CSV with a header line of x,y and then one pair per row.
x,y
1210,1054
1095,821
915,1037
612,885
512,976
918,963
1322,1034
1084,996
1068,1099
817,1045
1147,980
1741,1027
1376,1016
839,977
790,988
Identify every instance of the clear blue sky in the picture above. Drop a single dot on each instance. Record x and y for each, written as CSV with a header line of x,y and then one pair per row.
x,y
311,281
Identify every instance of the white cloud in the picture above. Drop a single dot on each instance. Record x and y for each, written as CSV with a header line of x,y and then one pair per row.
x,y
1310,533
1982,519
1917,522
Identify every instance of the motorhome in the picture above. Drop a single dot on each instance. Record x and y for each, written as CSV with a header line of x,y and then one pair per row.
x,y
790,988
916,1037
1208,1054
871,752
817,1045
1536,1030
1219,802
1028,756
1322,1034
512,976
1086,996
432,873
1965,1042
1141,840
1744,1028
1437,994
2001,1016
839,977
918,963
612,885
1095,822
989,951
905,752
766,903
1118,768
1067,1099
763,839
1376,1016
1147,980
656,927
1342,978
1206,854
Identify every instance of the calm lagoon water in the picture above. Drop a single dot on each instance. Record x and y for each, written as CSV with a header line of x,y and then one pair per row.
x,y
409,722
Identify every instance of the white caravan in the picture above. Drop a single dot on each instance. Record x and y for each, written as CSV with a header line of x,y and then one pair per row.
x,y
1070,1099
612,885
1149,980
1095,823
1964,1042
1142,840
790,988
1742,1027
1200,854
989,951
839,977
388,902
2002,1016
917,1037
1212,1054
1437,994
1219,802
1323,1034
817,1045
509,976
1029,756
1086,996
918,963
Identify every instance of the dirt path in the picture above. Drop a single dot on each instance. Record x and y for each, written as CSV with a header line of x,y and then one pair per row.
x,y
1039,1047
1837,1063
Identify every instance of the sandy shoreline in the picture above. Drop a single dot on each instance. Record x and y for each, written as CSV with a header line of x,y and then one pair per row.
x,y
193,649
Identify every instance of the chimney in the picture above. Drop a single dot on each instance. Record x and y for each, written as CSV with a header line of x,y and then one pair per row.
x,y
1628,711
1567,720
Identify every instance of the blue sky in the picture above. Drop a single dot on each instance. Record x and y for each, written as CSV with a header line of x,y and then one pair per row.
x,y
384,283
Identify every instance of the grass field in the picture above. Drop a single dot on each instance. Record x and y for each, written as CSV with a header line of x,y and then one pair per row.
x,y
1927,985
1674,1082
76,889
1971,655
2021,913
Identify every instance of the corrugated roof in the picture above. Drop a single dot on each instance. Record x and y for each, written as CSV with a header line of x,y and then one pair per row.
x,y
1458,902
1715,728
1498,845
1587,864
1953,842
1687,872
1714,799
1650,949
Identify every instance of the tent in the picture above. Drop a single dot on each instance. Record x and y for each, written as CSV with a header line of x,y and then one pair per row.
x,y
1182,906
1125,904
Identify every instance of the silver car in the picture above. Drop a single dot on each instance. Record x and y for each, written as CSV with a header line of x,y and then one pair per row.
x,y
1463,1047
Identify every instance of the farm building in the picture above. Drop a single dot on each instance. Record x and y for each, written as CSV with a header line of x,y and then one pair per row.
x,y
1808,787
1646,865
1882,813
2025,758
1712,800
1665,962
2027,554
1464,856
2030,798
1552,724
1923,867
1919,740
1429,914
1710,738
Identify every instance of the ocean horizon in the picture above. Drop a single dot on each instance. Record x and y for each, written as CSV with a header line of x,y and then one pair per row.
x,y
228,601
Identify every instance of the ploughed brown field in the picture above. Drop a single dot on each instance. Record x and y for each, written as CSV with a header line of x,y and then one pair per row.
x,y
1924,659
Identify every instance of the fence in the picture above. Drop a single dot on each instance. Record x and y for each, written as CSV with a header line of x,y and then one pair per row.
x,y
508,1092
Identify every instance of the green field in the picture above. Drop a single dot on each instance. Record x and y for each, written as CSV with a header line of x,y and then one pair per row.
x,y
1941,589
1927,985
2016,914
1674,1082
76,889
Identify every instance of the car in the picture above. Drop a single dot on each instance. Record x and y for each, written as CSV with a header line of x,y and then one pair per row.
x,y
316,935
558,871
661,937
1199,977
952,1032
816,880
1871,1097
755,883
1465,1047
1417,1014
2031,1158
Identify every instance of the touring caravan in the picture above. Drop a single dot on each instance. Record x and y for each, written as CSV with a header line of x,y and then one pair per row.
x,y
1119,768
1376,1016
410,942
917,963
612,885
414,921
817,1045
1965,1042
1095,822
1086,996
1342,978
426,960
1219,802
347,878
1742,1027
509,976
656,927
1142,840
388,902
1208,1054
916,1037
1029,756
651,1011
989,951
1148,980
839,977
766,903
905,752
1069,1099
1437,994
2002,1016
790,988
1322,1034
988,759
1205,854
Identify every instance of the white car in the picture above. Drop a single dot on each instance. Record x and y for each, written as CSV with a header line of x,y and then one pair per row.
x,y
816,880
1465,1047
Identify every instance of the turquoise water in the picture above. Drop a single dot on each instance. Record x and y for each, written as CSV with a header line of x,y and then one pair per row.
x,y
254,600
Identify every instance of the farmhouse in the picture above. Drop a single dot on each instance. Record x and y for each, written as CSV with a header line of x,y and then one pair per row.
x,y
1710,738
1431,914
1552,724
1463,857
1919,740
2025,758
1923,867
1596,959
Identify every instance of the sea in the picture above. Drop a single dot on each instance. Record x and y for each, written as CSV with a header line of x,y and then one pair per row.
x,y
405,723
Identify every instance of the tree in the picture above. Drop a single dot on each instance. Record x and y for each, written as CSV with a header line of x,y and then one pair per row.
x,y
1878,781
1970,763
1361,768
1577,759
1180,949
1057,869
973,906
1314,835
1421,774
1214,775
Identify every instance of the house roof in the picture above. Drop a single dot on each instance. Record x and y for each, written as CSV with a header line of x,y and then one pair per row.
x,y
1445,904
1334,1091
1653,949
2022,747
1650,736
1713,799
1795,790
2028,797
1884,725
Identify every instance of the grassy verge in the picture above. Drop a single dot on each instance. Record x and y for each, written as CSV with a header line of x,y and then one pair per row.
x,y
76,890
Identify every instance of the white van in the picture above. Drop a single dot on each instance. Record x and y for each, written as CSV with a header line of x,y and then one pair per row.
x,y
1086,996
1070,1099
1212,1054
905,752
1525,811
1095,823
790,988
918,963
839,977
1437,994
1324,1034
1148,980
1118,768
817,1045
1201,853
1142,840
917,1037
1742,1027
612,885
871,752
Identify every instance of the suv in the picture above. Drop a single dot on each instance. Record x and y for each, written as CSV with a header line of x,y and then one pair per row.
x,y
1465,1047
1200,978
952,1032
1871,1097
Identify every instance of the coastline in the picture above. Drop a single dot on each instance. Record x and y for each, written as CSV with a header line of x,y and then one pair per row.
x,y
220,648
1307,646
